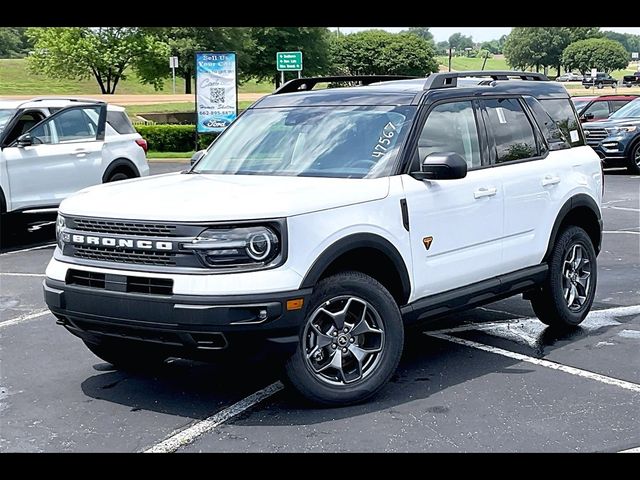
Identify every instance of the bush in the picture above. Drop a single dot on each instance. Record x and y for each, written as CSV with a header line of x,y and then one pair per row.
x,y
174,138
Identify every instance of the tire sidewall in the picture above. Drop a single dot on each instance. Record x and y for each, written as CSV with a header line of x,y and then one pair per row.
x,y
359,285
569,238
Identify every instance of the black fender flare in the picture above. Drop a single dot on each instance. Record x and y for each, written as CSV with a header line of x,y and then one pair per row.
x,y
120,162
580,200
352,242
3,202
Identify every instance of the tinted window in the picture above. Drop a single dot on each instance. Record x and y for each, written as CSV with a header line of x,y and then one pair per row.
x,y
75,125
5,116
451,127
562,113
120,122
616,105
512,130
598,110
552,133
631,109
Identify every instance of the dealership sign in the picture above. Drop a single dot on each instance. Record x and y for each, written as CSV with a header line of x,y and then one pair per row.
x,y
216,91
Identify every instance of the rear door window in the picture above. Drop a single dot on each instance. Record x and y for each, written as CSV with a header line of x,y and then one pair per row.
x,y
513,133
562,112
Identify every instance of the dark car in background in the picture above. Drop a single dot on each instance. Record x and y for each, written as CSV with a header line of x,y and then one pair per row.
x,y
601,80
596,108
617,139
631,80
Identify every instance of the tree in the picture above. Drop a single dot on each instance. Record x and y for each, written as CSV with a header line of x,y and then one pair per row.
x,y
377,52
13,42
102,52
630,42
601,53
441,47
313,42
422,32
460,42
184,42
535,47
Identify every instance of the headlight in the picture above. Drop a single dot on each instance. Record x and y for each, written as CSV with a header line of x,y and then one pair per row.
x,y
237,247
60,225
621,130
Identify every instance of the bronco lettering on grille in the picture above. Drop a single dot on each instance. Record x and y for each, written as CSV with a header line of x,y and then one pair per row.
x,y
121,242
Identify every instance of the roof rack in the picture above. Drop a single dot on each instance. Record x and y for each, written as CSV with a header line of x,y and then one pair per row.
x,y
450,79
305,84
69,99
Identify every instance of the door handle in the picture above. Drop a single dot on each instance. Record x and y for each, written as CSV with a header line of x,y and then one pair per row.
x,y
80,152
550,180
485,192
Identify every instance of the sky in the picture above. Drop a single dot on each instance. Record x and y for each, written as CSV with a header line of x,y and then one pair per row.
x,y
479,34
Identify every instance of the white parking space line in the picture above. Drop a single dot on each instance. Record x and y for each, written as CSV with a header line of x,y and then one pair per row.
x,y
188,435
9,274
621,231
634,387
40,247
24,318
631,450
626,209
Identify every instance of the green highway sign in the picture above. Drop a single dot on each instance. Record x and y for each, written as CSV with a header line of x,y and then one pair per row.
x,y
289,61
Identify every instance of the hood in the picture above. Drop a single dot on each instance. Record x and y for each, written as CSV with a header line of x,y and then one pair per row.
x,y
206,197
612,122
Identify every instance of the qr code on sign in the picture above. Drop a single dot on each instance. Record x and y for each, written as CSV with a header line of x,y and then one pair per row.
x,y
216,95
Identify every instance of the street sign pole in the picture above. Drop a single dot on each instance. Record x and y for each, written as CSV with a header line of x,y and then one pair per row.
x,y
281,77
173,64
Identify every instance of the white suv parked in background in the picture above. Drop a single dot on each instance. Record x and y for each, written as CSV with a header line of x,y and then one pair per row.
x,y
52,147
320,223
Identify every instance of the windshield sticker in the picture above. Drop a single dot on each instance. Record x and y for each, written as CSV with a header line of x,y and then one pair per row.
x,y
500,112
574,136
388,132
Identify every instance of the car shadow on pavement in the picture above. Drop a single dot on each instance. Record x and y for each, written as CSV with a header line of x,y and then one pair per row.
x,y
196,390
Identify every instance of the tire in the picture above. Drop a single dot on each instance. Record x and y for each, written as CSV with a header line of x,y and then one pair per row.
x,y
633,167
377,342
550,304
116,176
599,86
127,355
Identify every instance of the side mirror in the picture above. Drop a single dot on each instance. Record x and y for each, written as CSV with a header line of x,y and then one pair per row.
x,y
588,117
442,166
24,140
197,156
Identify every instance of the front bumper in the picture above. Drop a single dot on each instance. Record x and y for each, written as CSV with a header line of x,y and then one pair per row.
x,y
613,151
188,326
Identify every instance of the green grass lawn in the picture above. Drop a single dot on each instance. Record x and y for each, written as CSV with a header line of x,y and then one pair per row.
x,y
15,79
177,155
178,107
467,63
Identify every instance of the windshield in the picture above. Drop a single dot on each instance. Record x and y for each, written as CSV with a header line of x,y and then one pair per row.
x,y
631,109
5,116
346,142
580,104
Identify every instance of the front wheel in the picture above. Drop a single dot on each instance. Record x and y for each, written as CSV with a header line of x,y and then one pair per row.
x,y
633,166
117,176
568,292
350,343
600,86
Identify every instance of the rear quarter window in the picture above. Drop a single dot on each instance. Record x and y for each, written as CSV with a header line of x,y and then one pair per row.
x,y
120,122
562,112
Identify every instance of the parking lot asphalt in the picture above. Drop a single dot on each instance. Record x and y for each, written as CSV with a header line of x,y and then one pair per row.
x,y
491,379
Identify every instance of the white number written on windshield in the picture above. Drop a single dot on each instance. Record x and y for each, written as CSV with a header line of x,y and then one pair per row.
x,y
388,132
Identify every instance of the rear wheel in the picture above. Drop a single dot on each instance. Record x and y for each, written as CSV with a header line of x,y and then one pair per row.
x,y
127,355
351,341
633,166
114,177
599,85
567,294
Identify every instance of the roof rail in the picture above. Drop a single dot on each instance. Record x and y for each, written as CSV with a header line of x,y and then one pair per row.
x,y
450,79
70,99
305,84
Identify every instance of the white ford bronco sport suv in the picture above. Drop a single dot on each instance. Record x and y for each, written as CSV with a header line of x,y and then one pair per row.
x,y
320,223
53,147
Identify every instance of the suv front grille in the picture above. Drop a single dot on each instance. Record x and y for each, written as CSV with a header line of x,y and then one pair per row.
x,y
123,227
595,136
140,257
